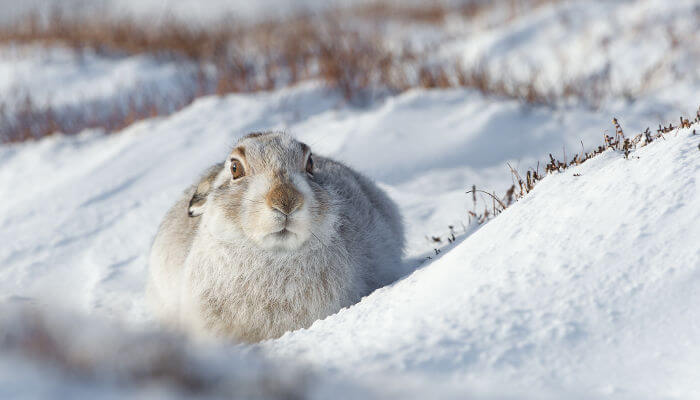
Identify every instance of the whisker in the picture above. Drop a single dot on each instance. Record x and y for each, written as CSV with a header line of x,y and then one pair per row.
x,y
319,240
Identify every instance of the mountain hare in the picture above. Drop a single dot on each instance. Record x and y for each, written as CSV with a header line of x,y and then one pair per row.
x,y
270,241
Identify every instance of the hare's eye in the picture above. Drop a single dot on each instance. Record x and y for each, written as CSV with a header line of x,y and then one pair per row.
x,y
237,170
310,165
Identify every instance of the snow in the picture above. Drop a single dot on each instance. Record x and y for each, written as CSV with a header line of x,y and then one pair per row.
x,y
585,288
59,77
62,355
588,284
646,50
192,10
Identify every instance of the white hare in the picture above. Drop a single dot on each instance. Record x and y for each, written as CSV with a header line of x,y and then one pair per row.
x,y
270,241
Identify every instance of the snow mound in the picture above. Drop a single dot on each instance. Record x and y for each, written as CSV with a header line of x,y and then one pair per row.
x,y
586,285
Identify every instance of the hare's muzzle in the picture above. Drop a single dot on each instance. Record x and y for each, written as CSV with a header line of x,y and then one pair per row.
x,y
285,198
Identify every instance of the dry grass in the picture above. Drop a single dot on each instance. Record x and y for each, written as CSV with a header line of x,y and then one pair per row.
x,y
27,120
106,35
619,143
436,12
487,205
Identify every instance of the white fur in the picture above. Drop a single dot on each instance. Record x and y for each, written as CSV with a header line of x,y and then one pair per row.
x,y
243,270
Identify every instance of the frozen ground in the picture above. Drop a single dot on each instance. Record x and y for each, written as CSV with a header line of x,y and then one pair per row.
x,y
587,287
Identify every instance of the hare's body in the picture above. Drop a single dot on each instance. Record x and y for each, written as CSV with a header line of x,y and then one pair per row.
x,y
237,271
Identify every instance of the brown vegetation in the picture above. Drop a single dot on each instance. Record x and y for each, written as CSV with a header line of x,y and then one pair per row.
x,y
619,143
494,205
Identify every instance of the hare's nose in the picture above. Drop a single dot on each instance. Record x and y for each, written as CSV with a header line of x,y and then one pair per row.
x,y
284,198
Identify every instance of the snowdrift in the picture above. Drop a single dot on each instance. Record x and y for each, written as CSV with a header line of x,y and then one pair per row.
x,y
587,285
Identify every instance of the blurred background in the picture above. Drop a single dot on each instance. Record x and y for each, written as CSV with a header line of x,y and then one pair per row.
x,y
70,65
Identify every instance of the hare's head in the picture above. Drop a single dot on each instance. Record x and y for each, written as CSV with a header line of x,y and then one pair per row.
x,y
266,191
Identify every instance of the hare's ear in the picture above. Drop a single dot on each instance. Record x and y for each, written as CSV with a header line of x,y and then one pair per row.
x,y
199,198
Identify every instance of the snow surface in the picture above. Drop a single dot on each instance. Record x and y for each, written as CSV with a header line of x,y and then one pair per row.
x,y
59,77
89,358
644,48
589,284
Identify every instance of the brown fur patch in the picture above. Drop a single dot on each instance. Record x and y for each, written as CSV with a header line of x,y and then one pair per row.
x,y
239,153
232,200
284,197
